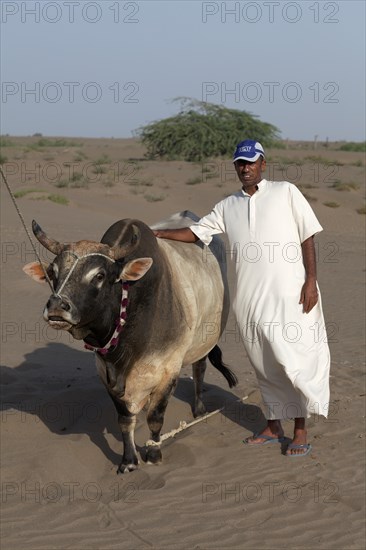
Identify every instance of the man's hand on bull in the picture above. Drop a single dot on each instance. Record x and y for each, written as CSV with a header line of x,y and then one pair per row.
x,y
184,235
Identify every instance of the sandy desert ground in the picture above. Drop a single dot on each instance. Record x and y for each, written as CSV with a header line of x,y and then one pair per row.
x,y
60,440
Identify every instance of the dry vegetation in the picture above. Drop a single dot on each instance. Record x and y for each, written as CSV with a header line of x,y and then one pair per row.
x,y
59,169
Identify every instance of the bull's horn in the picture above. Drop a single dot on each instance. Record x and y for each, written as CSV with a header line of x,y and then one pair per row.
x,y
53,246
120,251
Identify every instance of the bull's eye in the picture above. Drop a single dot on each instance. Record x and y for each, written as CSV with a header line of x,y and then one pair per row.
x,y
100,277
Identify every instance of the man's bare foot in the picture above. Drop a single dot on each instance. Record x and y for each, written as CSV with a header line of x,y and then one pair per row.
x,y
273,430
299,440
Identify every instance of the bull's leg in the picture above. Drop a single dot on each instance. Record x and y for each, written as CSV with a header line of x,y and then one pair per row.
x,y
198,370
155,418
127,422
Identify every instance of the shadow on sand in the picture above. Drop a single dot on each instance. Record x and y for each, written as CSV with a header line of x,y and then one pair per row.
x,y
60,387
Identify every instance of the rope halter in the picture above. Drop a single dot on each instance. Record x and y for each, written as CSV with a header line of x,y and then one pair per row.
x,y
121,320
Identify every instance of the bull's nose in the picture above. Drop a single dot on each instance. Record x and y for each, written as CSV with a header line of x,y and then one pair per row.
x,y
58,302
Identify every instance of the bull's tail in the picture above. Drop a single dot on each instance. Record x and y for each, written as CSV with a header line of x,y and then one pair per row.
x,y
215,356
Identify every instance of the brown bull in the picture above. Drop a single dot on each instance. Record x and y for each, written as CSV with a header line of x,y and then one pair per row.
x,y
146,307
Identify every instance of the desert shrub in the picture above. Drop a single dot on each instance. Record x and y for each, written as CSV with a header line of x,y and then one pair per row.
x,y
154,198
317,159
46,142
194,181
289,161
62,183
99,169
78,181
23,192
58,199
76,177
104,159
5,142
275,144
339,186
79,156
356,146
203,130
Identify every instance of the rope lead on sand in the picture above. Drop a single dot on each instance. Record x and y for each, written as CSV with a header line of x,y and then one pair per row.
x,y
183,425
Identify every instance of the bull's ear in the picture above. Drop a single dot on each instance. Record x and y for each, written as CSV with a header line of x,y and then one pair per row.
x,y
35,271
135,269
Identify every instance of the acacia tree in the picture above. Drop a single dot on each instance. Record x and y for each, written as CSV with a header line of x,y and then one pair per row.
x,y
202,130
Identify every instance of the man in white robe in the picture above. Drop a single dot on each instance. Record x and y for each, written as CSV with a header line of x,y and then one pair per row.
x,y
270,227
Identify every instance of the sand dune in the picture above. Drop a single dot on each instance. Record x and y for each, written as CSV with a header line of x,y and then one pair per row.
x,y
60,440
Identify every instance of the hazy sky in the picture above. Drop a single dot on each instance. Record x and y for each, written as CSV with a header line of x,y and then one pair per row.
x,y
102,69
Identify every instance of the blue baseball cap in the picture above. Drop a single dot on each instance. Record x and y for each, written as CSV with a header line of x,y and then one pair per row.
x,y
248,149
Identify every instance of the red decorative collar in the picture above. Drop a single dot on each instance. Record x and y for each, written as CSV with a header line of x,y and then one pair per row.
x,y
120,322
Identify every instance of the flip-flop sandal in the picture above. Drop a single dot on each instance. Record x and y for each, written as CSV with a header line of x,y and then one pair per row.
x,y
306,446
268,439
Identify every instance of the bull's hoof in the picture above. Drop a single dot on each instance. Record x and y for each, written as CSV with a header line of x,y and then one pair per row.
x,y
128,467
153,455
199,409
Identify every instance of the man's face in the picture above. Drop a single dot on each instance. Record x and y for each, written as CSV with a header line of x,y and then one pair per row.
x,y
250,173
